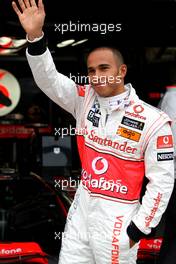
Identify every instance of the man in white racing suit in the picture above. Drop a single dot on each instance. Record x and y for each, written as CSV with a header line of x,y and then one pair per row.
x,y
120,139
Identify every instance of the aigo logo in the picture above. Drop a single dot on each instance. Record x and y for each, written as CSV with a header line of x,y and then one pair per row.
x,y
100,165
128,133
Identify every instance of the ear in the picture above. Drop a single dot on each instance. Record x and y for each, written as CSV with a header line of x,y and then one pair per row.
x,y
122,70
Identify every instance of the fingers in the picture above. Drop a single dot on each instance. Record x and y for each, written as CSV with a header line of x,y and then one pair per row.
x,y
27,3
16,9
33,3
22,5
40,5
132,243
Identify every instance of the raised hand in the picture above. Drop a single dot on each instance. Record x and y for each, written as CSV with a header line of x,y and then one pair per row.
x,y
31,16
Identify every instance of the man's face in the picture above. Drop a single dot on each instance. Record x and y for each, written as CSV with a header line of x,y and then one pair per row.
x,y
105,72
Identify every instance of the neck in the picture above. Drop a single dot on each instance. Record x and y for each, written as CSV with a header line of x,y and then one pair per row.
x,y
118,90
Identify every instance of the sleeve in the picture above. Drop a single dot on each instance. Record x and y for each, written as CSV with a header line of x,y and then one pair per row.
x,y
169,107
37,46
159,169
58,87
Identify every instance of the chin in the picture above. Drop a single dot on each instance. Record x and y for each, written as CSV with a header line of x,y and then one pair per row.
x,y
102,91
102,94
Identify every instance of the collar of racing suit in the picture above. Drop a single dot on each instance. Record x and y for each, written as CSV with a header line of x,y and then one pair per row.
x,y
118,102
171,88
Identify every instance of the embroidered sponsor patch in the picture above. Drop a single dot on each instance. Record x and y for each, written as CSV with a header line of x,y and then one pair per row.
x,y
165,156
136,115
138,108
94,118
94,114
164,142
128,133
81,90
91,115
133,123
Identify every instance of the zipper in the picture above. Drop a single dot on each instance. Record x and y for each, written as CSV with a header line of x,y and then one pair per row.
x,y
106,118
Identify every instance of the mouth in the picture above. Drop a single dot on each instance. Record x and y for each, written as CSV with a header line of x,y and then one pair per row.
x,y
99,84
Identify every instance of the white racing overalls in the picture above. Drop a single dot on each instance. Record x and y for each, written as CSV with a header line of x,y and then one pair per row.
x,y
118,145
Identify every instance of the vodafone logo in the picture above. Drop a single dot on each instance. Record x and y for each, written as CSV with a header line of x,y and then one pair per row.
x,y
100,165
138,109
12,251
166,140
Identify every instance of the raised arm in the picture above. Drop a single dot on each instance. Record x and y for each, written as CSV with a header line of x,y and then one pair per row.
x,y
31,17
59,88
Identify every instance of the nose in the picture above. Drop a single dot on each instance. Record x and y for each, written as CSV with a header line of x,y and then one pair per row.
x,y
96,77
98,74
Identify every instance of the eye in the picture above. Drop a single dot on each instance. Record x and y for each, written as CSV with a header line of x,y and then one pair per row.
x,y
90,71
104,67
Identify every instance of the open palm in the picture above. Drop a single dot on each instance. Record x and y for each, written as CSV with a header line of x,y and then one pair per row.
x,y
31,16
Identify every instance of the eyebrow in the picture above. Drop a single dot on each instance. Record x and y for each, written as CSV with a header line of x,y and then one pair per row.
x,y
103,65
100,65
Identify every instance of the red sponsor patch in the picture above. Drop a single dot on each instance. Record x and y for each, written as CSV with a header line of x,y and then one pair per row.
x,y
81,90
164,142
